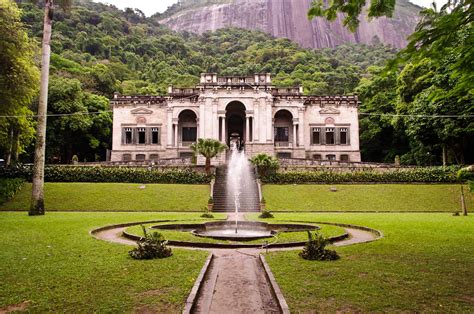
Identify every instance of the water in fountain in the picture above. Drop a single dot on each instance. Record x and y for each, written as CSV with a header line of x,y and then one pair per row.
x,y
239,176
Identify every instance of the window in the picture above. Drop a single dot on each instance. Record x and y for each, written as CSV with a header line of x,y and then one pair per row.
x,y
126,157
345,158
128,138
185,155
155,136
140,157
343,139
329,136
284,155
331,157
154,156
281,134
317,157
189,134
315,136
141,136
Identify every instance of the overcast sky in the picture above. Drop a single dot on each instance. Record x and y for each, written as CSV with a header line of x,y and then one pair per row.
x,y
150,7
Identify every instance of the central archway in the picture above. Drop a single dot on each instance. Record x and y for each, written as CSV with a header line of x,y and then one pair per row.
x,y
235,120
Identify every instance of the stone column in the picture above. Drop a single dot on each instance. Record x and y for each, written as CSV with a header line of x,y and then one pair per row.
x,y
169,128
247,129
176,134
256,125
223,139
294,135
201,118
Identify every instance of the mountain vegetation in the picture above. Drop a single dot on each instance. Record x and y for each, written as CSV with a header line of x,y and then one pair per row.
x,y
98,49
421,105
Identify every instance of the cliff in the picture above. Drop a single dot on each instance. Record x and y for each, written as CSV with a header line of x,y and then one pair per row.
x,y
288,19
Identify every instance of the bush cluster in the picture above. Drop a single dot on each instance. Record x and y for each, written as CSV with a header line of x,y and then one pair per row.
x,y
315,249
152,245
9,187
109,174
266,214
435,174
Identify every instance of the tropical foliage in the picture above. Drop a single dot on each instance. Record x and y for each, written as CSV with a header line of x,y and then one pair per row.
x,y
266,165
315,249
19,77
209,148
152,245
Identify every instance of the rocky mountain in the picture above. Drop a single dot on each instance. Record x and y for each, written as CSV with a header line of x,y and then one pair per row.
x,y
288,19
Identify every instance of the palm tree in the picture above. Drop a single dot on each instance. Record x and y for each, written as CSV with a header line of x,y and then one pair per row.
x,y
209,148
265,164
37,196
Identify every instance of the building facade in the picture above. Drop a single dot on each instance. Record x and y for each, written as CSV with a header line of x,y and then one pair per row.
x,y
263,119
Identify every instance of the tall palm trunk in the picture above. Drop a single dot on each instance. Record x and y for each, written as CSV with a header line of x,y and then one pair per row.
x,y
37,197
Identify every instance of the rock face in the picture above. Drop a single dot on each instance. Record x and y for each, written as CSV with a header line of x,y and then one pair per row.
x,y
288,19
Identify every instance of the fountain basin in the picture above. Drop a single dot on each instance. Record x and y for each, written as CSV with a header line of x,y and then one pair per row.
x,y
226,230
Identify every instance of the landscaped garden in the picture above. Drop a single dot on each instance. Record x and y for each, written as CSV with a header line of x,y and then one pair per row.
x,y
52,263
422,264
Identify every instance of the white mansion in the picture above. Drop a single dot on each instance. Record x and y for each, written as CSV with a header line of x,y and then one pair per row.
x,y
280,122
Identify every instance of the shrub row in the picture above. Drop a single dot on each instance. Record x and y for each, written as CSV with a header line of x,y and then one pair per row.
x,y
438,174
109,174
9,187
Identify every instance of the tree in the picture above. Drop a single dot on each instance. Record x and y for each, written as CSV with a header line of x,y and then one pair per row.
x,y
209,148
37,196
351,9
19,77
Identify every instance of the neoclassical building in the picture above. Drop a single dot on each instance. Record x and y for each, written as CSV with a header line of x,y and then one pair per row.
x,y
281,122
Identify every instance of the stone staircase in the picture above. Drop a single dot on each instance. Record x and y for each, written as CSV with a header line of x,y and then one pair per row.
x,y
224,202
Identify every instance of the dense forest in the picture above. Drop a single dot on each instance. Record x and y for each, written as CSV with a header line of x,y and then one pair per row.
x,y
98,50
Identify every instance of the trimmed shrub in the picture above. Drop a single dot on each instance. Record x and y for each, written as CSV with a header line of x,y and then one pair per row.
x,y
110,174
152,245
314,249
9,187
434,174
266,214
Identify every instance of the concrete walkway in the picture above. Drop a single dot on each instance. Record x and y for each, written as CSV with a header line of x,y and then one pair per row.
x,y
236,283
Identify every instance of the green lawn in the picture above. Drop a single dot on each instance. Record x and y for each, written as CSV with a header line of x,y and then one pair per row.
x,y
366,197
115,197
54,263
424,263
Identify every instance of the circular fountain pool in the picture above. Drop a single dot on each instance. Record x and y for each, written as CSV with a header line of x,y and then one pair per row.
x,y
242,231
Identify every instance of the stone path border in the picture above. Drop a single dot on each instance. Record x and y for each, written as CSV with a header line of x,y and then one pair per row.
x,y
353,235
192,298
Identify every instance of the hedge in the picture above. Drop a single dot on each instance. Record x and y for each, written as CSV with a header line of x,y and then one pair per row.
x,y
9,187
109,174
433,175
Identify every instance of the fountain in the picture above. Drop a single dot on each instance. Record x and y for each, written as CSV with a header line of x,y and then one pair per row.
x,y
239,173
240,185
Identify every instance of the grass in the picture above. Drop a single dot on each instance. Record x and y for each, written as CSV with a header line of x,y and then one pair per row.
x,y
367,197
283,237
115,197
423,264
54,263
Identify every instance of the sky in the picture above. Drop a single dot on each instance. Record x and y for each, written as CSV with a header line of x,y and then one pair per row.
x,y
149,7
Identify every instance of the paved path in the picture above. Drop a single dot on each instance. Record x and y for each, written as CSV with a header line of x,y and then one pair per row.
x,y
236,283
